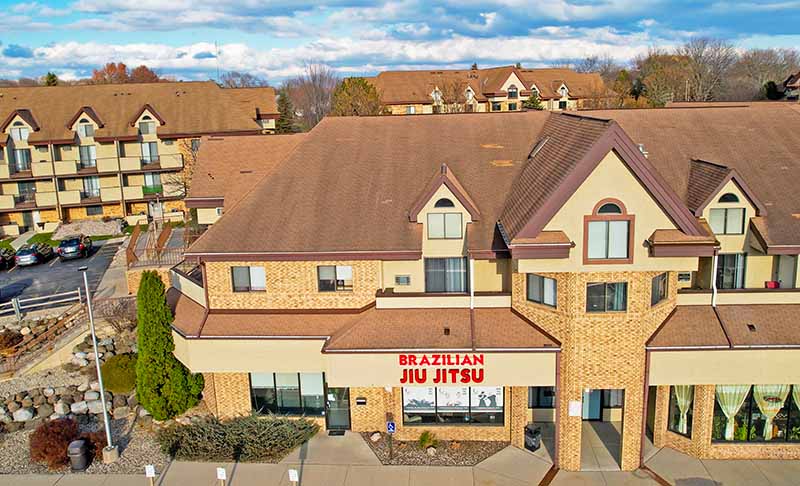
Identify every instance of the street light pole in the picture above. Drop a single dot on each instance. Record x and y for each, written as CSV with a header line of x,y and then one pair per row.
x,y
110,452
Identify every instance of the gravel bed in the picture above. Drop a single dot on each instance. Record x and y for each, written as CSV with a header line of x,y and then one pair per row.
x,y
53,377
137,448
448,453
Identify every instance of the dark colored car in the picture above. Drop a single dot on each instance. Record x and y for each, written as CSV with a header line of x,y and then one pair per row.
x,y
76,246
33,254
7,258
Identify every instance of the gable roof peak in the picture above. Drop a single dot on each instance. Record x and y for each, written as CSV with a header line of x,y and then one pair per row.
x,y
448,179
706,180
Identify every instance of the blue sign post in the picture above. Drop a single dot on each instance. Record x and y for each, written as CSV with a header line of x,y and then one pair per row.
x,y
390,427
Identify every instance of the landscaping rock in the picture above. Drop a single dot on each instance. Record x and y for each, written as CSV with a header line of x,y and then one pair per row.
x,y
133,402
119,401
94,385
45,410
14,426
83,386
91,395
80,355
61,408
13,406
95,406
121,412
23,415
39,399
27,402
79,408
49,392
375,437
25,331
431,451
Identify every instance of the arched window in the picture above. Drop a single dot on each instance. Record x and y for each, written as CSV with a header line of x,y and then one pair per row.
x,y
444,203
609,208
729,198
18,124
513,93
146,117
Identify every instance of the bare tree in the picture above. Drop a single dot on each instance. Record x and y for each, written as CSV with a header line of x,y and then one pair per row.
x,y
663,75
756,67
180,181
311,93
453,97
237,79
605,65
709,60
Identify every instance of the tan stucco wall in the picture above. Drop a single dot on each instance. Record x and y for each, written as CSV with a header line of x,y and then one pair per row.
x,y
438,247
733,243
207,215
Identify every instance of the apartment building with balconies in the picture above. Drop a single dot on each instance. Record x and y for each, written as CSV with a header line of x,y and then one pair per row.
x,y
469,275
112,151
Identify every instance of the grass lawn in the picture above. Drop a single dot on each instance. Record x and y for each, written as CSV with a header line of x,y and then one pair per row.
x,y
48,238
6,244
129,229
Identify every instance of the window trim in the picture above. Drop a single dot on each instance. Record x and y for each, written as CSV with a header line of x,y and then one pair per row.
x,y
249,280
690,418
527,290
304,411
452,424
725,220
336,287
605,298
444,226
595,216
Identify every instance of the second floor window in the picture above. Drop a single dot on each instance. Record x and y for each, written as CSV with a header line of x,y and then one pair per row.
x,y
334,278
730,271
91,187
608,233
513,93
249,279
147,126
88,155
444,226
658,291
149,152
152,183
542,290
22,159
446,275
85,129
19,132
607,297
726,221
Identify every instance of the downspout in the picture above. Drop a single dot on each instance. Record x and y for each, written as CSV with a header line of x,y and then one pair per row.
x,y
646,399
471,283
714,280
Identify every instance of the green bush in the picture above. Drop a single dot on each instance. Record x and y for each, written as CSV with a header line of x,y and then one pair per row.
x,y
119,373
245,439
427,439
164,387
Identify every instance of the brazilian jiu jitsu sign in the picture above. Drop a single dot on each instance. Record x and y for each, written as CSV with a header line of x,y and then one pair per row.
x,y
438,369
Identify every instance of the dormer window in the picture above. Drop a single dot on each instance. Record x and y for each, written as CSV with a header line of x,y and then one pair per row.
x,y
444,203
19,132
563,91
85,128
534,91
444,226
608,234
727,221
147,126
469,95
513,92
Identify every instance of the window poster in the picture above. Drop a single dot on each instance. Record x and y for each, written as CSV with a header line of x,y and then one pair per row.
x,y
420,399
487,398
452,398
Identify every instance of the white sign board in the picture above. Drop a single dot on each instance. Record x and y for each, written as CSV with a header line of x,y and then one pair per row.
x,y
150,471
575,408
293,476
221,474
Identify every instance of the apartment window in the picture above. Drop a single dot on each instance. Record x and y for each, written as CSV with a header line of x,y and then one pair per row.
x,y
497,106
88,156
542,290
27,192
94,210
21,159
756,413
19,132
402,280
727,221
562,105
91,187
411,110
608,237
512,107
152,183
85,129
335,278
453,405
513,93
446,275
147,126
607,297
681,404
541,397
658,288
288,393
730,271
444,226
195,144
121,149
249,279
149,152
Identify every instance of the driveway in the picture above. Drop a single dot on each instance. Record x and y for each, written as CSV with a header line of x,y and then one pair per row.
x,y
55,276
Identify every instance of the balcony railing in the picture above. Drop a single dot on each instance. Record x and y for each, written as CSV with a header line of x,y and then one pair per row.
x,y
91,193
740,296
88,163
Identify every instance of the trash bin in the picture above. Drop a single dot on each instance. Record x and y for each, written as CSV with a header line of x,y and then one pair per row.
x,y
78,457
533,437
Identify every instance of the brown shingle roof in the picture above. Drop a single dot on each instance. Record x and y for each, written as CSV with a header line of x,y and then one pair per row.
x,y
691,326
260,100
705,179
229,167
759,144
186,107
189,315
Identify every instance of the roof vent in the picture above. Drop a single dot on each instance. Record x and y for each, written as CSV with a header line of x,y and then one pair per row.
x,y
642,150
751,327
446,331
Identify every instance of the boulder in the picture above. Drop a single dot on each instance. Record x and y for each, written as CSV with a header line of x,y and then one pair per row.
x,y
143,412
91,395
119,401
431,451
61,408
83,386
13,406
25,331
79,408
45,410
80,355
95,406
121,412
49,392
94,386
39,399
133,401
105,342
81,362
23,415
27,402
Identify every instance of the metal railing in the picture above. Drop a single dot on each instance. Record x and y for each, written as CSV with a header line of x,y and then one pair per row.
x,y
152,257
21,306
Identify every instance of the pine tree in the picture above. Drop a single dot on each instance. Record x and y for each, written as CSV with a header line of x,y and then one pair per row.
x,y
533,102
355,97
50,79
164,387
286,122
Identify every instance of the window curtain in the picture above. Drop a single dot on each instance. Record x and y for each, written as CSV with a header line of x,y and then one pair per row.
x,y
770,399
456,275
683,397
730,399
796,394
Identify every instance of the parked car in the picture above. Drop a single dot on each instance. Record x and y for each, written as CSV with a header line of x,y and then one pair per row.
x,y
33,254
76,246
7,258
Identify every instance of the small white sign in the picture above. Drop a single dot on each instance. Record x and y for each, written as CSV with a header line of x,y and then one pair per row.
x,y
150,471
293,476
575,408
221,474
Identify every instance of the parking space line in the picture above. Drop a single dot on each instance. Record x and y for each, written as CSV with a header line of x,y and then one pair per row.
x,y
12,269
55,260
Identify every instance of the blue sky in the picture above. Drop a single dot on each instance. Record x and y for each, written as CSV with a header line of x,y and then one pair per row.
x,y
275,39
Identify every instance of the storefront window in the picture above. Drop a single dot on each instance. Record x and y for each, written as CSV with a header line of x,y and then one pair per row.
x,y
681,405
453,405
757,413
288,393
541,397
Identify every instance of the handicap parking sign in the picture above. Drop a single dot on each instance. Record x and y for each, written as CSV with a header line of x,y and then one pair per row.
x,y
390,427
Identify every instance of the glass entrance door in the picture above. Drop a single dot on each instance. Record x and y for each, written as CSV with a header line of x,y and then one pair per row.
x,y
338,409
592,405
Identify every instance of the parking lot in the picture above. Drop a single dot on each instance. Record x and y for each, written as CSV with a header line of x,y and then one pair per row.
x,y
54,276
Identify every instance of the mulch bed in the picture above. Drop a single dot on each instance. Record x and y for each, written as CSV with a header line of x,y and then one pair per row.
x,y
448,453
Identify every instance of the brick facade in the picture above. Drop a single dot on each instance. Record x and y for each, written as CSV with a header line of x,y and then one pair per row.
x,y
227,395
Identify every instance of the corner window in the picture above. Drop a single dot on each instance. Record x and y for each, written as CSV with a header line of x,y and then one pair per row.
x,y
288,393
249,279
542,290
19,132
444,226
541,397
608,234
607,297
681,405
446,275
334,278
726,221
658,288
453,405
